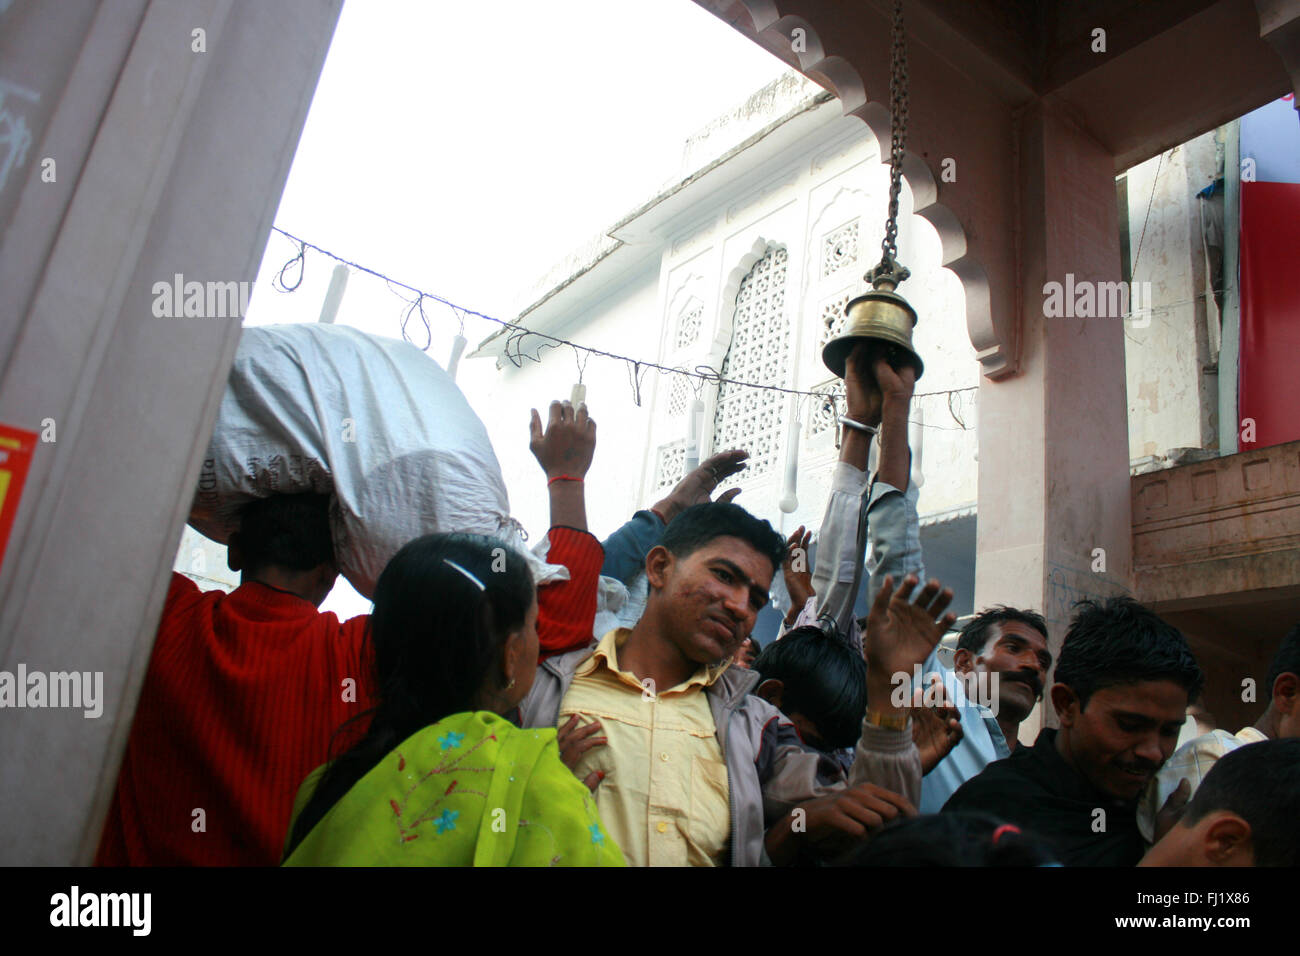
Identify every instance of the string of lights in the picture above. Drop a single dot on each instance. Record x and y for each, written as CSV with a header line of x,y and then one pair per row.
x,y
513,349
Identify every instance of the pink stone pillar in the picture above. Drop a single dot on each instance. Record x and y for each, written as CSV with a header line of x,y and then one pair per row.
x,y
1053,439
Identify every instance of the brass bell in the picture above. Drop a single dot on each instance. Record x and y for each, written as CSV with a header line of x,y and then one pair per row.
x,y
880,315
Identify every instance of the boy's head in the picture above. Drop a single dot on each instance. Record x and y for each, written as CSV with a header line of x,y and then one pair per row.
x,y
1123,683
819,683
1246,812
709,577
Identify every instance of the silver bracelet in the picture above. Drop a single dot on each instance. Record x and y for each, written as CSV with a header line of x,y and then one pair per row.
x,y
858,426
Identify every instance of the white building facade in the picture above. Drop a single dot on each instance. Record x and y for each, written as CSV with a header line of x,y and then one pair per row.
x,y
743,269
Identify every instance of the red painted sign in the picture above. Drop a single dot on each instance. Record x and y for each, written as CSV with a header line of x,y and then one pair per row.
x,y
16,447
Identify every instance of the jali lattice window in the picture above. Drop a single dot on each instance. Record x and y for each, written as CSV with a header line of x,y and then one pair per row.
x,y
832,320
840,248
826,407
670,464
688,326
750,418
678,395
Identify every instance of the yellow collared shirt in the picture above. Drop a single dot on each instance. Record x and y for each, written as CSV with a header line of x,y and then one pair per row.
x,y
664,798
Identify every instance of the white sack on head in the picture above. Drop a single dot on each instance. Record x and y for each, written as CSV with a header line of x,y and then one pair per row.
x,y
372,421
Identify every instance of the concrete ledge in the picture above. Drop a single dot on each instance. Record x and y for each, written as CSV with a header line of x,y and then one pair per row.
x,y
1218,527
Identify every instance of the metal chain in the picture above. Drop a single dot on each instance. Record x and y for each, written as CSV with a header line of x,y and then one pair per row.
x,y
898,137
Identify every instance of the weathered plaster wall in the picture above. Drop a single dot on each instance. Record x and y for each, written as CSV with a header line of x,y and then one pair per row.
x,y
1170,370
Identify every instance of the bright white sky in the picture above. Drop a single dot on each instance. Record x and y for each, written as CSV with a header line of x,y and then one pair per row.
x,y
465,148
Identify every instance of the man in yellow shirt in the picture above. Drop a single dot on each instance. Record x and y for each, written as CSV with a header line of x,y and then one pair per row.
x,y
697,769
662,775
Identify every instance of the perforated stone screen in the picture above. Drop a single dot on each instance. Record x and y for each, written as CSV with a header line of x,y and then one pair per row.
x,y
688,326
840,248
832,320
749,418
670,464
825,411
678,395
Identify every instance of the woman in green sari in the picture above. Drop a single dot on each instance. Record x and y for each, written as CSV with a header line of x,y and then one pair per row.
x,y
440,778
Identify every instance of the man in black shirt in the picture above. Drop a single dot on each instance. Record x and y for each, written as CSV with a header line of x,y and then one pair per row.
x,y
1123,684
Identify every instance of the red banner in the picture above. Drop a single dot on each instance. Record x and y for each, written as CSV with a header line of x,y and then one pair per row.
x,y
1268,392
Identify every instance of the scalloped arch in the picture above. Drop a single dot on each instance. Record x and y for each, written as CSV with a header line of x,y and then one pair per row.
x,y
996,358
839,205
690,286
727,300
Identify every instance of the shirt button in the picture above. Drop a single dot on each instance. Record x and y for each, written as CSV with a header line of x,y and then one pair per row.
x,y
664,756
662,828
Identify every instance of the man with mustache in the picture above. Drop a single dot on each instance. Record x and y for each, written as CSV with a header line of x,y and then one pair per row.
x,y
1123,684
1005,649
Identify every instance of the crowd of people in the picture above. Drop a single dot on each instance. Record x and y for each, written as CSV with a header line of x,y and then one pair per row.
x,y
473,718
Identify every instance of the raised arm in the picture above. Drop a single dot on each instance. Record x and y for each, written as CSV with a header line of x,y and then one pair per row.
x,y
564,450
626,548
880,398
566,610
900,636
797,576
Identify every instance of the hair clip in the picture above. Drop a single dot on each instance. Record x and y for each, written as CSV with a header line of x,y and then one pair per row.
x,y
1005,828
477,583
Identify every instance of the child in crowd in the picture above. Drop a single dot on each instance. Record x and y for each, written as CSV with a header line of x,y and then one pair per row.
x,y
817,681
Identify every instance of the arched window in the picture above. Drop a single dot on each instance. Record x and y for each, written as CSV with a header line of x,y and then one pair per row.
x,y
750,418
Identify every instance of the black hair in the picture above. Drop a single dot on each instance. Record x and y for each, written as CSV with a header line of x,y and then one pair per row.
x,y
699,524
824,680
444,606
1261,784
1119,641
975,635
953,839
287,531
1285,661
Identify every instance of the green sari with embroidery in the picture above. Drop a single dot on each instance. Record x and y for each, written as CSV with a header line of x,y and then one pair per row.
x,y
470,790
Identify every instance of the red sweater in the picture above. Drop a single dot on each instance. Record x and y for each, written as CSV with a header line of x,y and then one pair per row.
x,y
241,701
566,610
